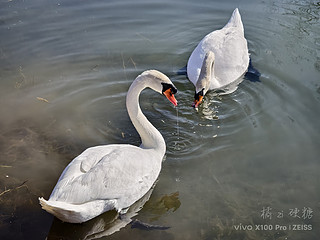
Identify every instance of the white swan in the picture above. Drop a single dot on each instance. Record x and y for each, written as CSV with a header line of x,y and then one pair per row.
x,y
220,59
113,176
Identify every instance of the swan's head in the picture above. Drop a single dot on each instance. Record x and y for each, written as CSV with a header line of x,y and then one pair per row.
x,y
198,98
160,83
169,90
203,83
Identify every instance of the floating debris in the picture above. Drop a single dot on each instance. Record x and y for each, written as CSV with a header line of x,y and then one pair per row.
x,y
42,99
5,166
95,67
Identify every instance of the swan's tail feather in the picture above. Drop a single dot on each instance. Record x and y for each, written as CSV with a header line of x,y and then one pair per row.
x,y
235,20
76,213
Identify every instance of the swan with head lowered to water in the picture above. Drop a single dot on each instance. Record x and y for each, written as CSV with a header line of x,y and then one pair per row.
x,y
113,176
219,60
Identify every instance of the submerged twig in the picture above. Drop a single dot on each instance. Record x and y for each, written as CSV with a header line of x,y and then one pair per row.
x,y
10,189
123,65
140,35
146,226
134,64
216,179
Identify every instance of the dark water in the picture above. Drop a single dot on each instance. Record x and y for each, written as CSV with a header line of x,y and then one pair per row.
x,y
245,166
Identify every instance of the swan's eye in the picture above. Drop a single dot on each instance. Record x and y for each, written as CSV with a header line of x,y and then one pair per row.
x,y
166,86
198,94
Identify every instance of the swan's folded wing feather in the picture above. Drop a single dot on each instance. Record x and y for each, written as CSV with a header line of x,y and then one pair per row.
x,y
231,53
85,161
122,171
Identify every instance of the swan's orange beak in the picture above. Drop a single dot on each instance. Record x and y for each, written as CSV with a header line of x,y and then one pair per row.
x,y
197,102
169,94
198,97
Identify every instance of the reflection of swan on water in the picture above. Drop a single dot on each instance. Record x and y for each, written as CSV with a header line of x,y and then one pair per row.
x,y
113,176
102,228
111,222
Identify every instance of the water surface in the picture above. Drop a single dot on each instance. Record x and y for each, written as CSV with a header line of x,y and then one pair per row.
x,y
65,68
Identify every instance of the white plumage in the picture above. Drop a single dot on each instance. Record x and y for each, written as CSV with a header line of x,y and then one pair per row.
x,y
229,61
113,176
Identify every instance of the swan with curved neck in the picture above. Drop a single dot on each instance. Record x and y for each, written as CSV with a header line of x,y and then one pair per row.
x,y
219,60
113,176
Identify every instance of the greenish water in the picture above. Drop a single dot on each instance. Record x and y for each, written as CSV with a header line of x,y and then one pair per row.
x,y
245,160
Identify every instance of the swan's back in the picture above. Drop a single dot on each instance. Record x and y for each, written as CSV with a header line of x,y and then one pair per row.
x,y
231,53
120,169
103,178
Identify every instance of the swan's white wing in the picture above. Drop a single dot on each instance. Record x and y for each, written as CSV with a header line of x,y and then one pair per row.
x,y
121,172
231,53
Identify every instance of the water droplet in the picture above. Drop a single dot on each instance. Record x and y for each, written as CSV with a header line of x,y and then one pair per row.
x,y
178,130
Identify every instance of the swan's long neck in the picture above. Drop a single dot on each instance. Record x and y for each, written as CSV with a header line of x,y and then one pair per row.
x,y
206,73
150,136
